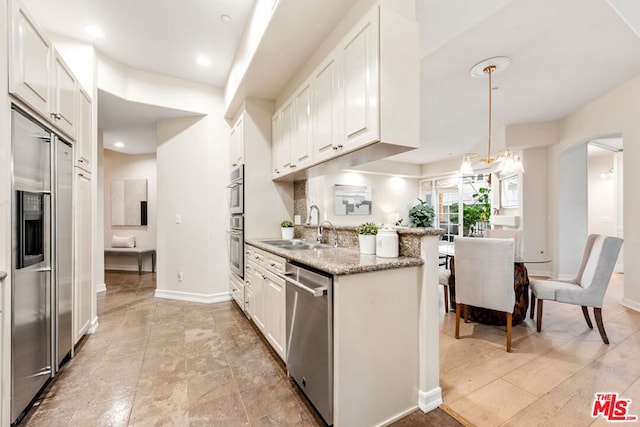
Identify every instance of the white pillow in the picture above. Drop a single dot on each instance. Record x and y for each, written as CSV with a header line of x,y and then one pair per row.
x,y
123,242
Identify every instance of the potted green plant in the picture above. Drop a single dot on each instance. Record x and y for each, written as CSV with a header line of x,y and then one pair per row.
x,y
422,214
367,237
287,229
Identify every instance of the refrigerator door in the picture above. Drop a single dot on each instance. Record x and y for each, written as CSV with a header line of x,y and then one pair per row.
x,y
63,178
31,154
30,285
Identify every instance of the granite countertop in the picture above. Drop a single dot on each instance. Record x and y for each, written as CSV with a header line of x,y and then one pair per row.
x,y
339,261
3,274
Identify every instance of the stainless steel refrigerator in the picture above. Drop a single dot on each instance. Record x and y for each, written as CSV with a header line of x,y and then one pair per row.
x,y
42,262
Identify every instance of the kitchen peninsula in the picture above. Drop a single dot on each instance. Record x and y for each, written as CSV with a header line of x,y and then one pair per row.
x,y
378,319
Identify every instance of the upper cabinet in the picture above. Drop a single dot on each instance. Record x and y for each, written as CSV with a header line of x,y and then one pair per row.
x,y
30,55
364,92
37,74
84,154
237,143
65,91
327,129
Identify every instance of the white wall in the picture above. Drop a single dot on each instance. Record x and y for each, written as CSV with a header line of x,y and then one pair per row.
x,y
602,195
117,167
390,195
193,172
614,113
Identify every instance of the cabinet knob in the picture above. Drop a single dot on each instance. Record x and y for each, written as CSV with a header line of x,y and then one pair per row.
x,y
333,147
277,171
264,277
292,166
339,145
234,164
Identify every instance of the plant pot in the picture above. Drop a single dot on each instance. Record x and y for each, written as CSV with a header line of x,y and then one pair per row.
x,y
367,243
287,233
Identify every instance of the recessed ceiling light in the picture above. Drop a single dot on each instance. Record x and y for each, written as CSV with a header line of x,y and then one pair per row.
x,y
118,144
203,60
225,18
94,31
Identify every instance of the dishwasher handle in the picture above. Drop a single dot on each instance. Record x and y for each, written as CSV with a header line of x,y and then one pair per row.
x,y
317,292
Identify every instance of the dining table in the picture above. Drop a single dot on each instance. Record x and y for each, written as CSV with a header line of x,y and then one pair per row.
x,y
485,315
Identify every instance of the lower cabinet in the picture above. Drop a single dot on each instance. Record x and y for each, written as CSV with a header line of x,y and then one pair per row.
x,y
82,281
265,297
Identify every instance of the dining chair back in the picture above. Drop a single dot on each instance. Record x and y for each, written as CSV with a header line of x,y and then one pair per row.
x,y
484,277
588,287
501,233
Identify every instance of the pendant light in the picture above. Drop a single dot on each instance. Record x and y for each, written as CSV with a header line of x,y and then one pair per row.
x,y
505,160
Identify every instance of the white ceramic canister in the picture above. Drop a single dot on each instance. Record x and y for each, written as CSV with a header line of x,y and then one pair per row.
x,y
387,243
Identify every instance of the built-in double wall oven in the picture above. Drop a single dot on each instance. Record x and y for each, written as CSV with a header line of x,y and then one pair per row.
x,y
236,221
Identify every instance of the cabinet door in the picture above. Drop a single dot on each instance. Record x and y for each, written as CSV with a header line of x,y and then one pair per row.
x,y
360,70
276,145
286,135
257,279
275,306
29,77
326,106
84,142
237,143
302,143
82,288
64,97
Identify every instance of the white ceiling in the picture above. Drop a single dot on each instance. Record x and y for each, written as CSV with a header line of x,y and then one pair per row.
x,y
565,54
131,123
160,36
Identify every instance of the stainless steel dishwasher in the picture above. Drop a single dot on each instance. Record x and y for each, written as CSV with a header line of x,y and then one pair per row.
x,y
309,297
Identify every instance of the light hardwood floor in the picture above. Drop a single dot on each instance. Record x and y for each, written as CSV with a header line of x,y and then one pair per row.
x,y
551,377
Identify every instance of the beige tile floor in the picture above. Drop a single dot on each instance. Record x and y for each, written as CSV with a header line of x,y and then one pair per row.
x,y
156,362
550,378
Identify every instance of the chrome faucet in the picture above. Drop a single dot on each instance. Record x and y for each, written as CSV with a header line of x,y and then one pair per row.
x,y
335,242
318,230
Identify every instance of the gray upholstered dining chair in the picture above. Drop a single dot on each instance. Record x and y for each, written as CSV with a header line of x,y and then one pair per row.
x,y
587,289
484,277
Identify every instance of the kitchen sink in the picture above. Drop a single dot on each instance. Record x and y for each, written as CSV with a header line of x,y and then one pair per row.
x,y
296,244
301,246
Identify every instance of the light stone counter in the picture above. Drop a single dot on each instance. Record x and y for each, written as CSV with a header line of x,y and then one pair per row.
x,y
339,261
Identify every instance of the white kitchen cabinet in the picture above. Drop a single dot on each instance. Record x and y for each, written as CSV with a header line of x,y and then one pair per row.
x,y
64,97
360,74
37,74
302,128
275,312
236,287
284,163
267,296
84,142
83,249
29,59
276,146
256,278
365,91
237,143
327,109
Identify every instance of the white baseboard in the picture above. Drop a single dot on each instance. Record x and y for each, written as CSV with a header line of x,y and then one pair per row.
x,y
429,400
633,305
101,288
397,416
188,296
119,267
93,326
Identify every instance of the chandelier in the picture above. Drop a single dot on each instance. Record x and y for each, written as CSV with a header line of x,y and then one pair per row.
x,y
505,160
